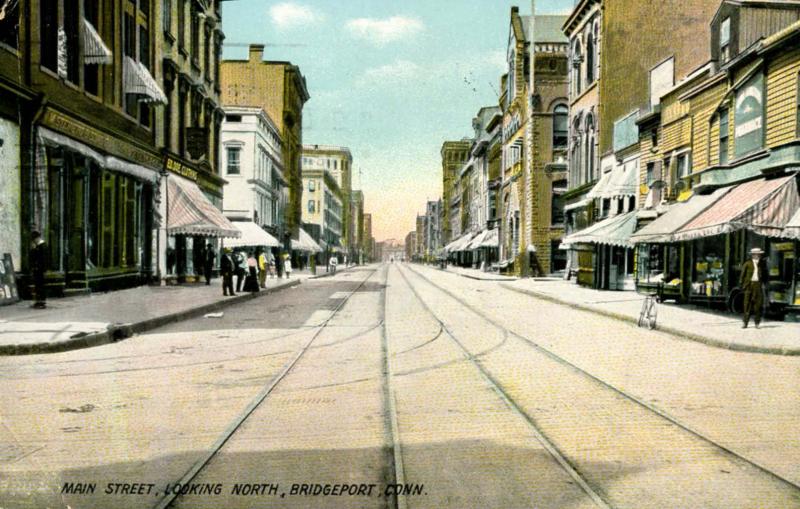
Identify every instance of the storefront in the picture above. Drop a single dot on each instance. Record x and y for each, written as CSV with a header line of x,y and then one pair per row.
x,y
606,248
694,252
94,209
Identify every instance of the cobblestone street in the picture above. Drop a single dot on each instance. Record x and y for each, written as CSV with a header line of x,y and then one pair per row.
x,y
465,393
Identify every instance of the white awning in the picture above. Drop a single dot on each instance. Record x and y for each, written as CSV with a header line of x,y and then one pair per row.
x,y
476,242
792,229
305,243
622,180
252,236
614,231
139,81
577,205
94,49
491,239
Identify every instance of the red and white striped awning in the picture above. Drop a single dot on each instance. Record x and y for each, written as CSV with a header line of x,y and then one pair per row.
x,y
763,206
95,50
139,81
192,213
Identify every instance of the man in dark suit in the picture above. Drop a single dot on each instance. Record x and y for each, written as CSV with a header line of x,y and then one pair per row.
x,y
753,281
226,269
38,261
208,263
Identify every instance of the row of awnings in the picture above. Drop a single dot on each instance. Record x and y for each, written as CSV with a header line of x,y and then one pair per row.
x,y
473,241
768,207
252,236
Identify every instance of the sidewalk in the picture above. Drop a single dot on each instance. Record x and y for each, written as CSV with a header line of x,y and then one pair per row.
x,y
477,274
90,320
722,330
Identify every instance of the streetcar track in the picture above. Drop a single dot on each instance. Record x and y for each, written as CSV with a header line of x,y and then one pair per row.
x,y
551,448
595,379
168,499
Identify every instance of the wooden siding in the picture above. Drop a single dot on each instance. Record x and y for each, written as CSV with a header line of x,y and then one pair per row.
x,y
703,107
782,82
756,23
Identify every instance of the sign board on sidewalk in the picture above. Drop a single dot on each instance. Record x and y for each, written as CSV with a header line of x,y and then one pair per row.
x,y
8,282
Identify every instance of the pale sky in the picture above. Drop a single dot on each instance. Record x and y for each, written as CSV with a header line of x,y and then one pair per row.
x,y
390,80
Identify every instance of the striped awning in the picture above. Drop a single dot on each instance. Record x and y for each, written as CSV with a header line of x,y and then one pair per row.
x,y
192,213
252,236
614,231
491,239
94,49
792,229
139,81
763,206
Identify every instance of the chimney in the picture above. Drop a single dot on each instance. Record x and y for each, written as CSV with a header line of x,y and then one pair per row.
x,y
256,53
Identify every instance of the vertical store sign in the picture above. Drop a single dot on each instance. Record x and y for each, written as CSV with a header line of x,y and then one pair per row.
x,y
749,120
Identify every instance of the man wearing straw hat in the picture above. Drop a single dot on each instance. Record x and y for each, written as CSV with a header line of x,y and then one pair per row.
x,y
753,278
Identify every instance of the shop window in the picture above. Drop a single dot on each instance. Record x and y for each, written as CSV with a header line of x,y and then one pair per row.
x,y
723,135
48,34
233,166
708,266
9,24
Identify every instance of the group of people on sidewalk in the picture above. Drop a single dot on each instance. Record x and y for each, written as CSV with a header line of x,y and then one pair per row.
x,y
251,269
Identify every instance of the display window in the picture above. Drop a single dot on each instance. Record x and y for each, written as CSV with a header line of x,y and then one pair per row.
x,y
708,266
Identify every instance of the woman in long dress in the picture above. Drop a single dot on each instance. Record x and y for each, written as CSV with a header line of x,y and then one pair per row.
x,y
251,280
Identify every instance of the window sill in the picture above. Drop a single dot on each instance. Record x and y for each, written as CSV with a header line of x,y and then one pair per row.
x,y
182,51
169,37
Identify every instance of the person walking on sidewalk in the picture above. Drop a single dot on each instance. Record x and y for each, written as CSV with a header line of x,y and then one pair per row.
x,y
334,262
226,269
240,261
263,265
753,279
287,266
251,280
38,258
208,262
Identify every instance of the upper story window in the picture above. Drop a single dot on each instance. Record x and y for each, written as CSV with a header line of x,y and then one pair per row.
x,y
233,118
512,74
48,34
181,24
312,206
194,47
724,128
233,166
684,164
577,59
590,60
560,126
312,186
9,23
748,116
725,40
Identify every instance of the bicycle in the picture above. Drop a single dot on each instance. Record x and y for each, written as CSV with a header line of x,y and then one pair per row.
x,y
649,312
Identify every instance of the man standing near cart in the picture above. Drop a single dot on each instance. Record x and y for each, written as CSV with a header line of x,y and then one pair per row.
x,y
753,280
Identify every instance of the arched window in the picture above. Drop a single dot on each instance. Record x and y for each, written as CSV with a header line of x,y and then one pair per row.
x,y
590,154
575,153
590,60
577,58
512,74
560,126
597,49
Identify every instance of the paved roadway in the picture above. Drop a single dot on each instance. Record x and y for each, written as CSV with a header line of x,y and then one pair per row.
x,y
465,394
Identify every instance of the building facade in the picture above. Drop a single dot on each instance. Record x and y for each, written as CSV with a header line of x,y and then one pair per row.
x,y
454,154
339,162
357,225
257,189
280,89
719,165
323,207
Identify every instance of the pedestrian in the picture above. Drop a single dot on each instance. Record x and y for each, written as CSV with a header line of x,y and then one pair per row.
x,y
753,280
38,261
263,265
241,269
287,266
334,262
210,255
273,272
251,280
226,269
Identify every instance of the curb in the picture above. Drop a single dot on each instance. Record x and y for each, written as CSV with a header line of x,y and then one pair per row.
x,y
716,343
119,332
476,278
329,274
